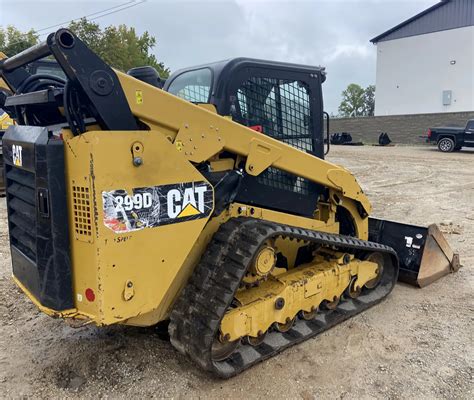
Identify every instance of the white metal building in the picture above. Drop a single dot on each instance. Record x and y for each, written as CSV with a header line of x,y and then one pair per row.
x,y
426,64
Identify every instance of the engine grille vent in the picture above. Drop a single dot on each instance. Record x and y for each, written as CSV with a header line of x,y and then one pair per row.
x,y
82,213
22,210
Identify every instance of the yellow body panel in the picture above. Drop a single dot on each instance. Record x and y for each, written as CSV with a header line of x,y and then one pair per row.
x,y
5,120
106,261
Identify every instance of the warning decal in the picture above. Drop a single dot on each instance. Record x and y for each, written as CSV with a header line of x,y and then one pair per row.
x,y
154,206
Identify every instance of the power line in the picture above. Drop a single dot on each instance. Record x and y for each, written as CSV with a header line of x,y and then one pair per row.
x,y
112,10
85,16
124,8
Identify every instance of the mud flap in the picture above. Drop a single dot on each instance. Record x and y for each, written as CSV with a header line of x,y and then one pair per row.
x,y
423,252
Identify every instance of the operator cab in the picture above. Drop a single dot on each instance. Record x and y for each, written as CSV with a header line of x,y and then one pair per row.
x,y
281,100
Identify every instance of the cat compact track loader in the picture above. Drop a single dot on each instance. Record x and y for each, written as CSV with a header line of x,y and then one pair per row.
x,y
206,202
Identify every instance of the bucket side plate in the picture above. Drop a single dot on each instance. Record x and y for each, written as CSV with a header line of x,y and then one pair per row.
x,y
424,253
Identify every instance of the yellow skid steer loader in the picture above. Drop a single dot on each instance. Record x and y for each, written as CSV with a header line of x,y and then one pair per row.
x,y
204,201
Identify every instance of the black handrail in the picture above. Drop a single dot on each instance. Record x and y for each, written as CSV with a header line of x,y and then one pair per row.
x,y
327,132
27,56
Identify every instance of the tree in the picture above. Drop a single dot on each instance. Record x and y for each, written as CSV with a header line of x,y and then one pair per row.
x,y
357,101
352,104
120,46
369,100
13,41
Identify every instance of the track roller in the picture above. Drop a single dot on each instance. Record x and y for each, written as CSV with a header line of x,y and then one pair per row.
x,y
331,305
255,341
282,328
308,315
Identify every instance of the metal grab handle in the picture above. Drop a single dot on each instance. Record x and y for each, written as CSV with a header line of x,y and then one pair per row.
x,y
63,37
25,57
327,132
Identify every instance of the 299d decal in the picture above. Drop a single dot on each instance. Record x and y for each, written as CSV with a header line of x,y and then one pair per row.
x,y
154,206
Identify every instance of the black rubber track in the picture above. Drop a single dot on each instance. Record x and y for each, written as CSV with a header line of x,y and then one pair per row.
x,y
196,316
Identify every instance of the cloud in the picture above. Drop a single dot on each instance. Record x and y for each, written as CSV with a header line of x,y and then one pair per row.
x,y
348,50
332,33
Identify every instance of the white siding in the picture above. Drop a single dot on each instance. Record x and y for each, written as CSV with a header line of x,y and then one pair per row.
x,y
413,72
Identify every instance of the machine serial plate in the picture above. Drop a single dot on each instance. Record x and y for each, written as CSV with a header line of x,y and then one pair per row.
x,y
149,207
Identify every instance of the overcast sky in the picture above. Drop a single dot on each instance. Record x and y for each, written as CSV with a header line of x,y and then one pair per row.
x,y
332,33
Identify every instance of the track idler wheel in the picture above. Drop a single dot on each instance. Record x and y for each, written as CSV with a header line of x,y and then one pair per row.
x,y
222,348
331,305
282,328
378,259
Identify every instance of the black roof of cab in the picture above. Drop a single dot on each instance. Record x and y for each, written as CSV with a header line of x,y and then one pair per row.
x,y
224,71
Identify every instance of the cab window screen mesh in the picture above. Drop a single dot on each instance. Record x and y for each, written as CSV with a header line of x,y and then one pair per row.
x,y
194,93
282,109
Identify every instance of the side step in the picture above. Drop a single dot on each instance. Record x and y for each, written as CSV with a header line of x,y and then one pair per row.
x,y
424,253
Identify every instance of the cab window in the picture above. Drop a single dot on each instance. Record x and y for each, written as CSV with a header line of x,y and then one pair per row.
x,y
194,86
51,70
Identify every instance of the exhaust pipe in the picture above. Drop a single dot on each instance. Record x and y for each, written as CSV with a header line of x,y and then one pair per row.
x,y
424,253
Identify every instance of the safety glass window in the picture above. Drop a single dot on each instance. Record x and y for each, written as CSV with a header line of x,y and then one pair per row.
x,y
193,86
47,70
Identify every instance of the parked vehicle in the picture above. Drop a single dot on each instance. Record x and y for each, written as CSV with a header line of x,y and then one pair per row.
x,y
452,138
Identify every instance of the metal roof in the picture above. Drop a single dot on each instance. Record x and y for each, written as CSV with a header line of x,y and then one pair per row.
x,y
447,14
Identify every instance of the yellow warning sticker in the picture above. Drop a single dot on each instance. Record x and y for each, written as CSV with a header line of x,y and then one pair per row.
x,y
139,96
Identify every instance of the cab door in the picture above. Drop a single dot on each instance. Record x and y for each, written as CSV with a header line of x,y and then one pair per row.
x,y
284,103
469,134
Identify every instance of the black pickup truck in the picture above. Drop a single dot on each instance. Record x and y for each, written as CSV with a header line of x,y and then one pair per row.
x,y
452,138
